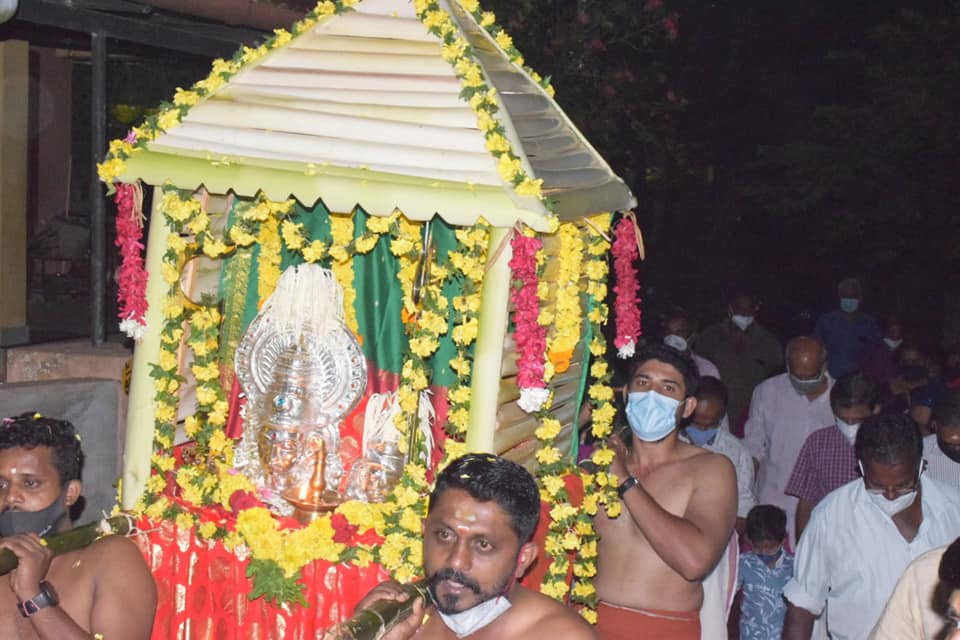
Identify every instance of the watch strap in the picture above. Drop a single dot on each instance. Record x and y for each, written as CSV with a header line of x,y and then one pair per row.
x,y
626,485
46,598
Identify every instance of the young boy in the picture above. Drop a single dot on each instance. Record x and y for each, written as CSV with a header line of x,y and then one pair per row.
x,y
763,574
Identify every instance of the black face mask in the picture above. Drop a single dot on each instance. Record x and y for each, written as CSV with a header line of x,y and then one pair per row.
x,y
952,451
39,522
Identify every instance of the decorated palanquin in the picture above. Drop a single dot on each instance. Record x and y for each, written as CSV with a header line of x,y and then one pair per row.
x,y
401,160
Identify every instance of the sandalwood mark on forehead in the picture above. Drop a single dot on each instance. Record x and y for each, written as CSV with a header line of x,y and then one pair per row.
x,y
467,515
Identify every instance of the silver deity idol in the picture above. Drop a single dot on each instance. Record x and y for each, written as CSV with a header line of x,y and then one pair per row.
x,y
302,371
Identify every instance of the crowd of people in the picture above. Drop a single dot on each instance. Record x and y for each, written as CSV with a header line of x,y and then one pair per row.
x,y
846,452
818,501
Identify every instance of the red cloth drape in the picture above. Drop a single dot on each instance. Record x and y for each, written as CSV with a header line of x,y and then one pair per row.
x,y
203,592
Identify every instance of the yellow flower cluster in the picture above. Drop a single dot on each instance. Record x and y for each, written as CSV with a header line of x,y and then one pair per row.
x,y
402,550
565,334
341,230
468,263
488,21
268,270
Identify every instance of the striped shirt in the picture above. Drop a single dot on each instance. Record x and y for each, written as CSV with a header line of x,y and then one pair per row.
x,y
939,466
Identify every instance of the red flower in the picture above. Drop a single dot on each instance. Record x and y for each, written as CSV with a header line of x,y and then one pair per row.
x,y
530,336
627,304
670,26
131,276
241,500
343,531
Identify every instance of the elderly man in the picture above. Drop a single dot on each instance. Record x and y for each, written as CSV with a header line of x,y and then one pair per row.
x,y
679,506
104,589
476,546
744,352
847,331
862,536
784,411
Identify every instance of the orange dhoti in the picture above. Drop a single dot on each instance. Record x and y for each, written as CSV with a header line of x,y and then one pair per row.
x,y
623,623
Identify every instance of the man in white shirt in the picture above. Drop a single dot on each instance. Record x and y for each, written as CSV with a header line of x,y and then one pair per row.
x,y
941,449
785,409
862,536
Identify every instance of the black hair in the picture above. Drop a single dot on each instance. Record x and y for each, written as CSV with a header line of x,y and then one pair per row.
x,y
678,313
946,412
890,438
949,570
492,478
852,389
766,523
711,387
30,429
667,355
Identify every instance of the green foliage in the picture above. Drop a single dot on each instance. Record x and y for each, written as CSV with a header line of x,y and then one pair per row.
x,y
270,582
883,153
610,62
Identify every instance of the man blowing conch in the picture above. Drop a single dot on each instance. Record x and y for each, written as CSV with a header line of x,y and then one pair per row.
x,y
477,544
104,589
679,506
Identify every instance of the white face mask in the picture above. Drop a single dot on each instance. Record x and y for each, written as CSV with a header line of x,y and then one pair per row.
x,y
677,342
893,344
895,506
475,618
742,322
848,430
898,504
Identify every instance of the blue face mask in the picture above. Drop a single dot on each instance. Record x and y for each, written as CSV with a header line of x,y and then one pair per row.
x,y
769,558
849,304
701,437
652,416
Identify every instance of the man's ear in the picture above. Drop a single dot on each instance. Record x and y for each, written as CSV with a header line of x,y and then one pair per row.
x,y
74,488
526,557
689,407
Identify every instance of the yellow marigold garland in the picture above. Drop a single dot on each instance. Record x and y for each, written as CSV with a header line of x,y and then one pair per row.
x,y
488,21
568,315
469,262
268,269
341,231
598,489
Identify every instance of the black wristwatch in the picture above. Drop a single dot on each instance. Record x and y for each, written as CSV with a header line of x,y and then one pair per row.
x,y
46,598
626,485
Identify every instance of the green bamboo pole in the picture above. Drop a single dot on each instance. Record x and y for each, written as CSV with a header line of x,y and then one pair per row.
x,y
76,538
374,621
488,351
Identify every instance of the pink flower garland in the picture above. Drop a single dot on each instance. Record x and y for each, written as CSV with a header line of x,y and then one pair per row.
x,y
530,336
132,277
625,250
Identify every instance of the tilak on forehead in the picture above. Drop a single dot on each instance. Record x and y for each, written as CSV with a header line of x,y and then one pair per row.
x,y
465,513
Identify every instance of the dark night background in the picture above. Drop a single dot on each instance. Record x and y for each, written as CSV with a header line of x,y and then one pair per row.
x,y
779,146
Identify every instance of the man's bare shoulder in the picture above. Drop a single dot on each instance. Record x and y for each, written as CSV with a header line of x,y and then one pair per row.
x,y
544,616
116,554
702,459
